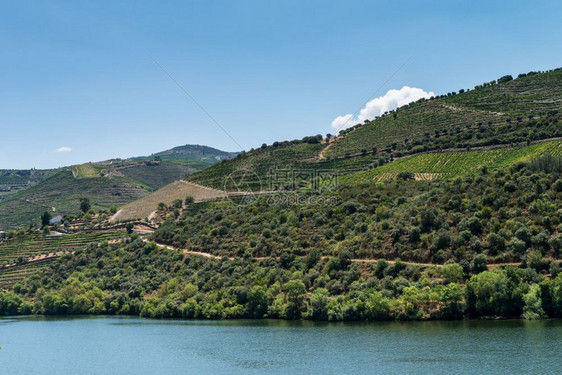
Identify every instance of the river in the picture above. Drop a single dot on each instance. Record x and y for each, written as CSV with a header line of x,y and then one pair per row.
x,y
109,345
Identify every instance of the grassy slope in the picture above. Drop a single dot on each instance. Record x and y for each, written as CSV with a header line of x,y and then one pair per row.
x,y
143,207
193,153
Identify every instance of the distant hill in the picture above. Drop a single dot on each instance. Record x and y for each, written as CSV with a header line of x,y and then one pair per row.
x,y
192,153
15,180
28,193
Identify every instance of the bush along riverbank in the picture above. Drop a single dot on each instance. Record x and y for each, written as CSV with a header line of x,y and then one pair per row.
x,y
138,278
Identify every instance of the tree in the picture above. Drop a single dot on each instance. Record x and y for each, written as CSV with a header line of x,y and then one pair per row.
x,y
85,205
189,200
313,258
533,304
319,304
496,242
257,302
451,299
129,228
479,264
46,219
534,260
506,78
177,203
487,293
294,291
556,295
414,235
406,176
473,224
452,273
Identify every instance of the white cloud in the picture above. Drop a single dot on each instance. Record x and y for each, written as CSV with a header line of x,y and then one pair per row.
x,y
63,149
376,107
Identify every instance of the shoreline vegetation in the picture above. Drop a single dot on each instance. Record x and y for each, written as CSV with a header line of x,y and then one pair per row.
x,y
205,288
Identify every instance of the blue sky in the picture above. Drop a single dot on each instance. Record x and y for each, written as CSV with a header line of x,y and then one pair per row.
x,y
79,74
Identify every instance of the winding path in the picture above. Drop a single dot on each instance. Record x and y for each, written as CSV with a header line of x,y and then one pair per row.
x,y
52,256
355,260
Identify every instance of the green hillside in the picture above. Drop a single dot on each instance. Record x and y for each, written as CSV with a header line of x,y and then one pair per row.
x,y
480,246
507,112
294,154
454,164
61,193
462,220
519,110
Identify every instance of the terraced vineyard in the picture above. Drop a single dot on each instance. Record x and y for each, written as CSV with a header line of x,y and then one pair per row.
x,y
10,276
260,162
535,93
157,176
523,109
453,164
32,245
412,123
512,113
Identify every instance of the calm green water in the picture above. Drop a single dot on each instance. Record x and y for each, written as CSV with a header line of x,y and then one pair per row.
x,y
138,346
